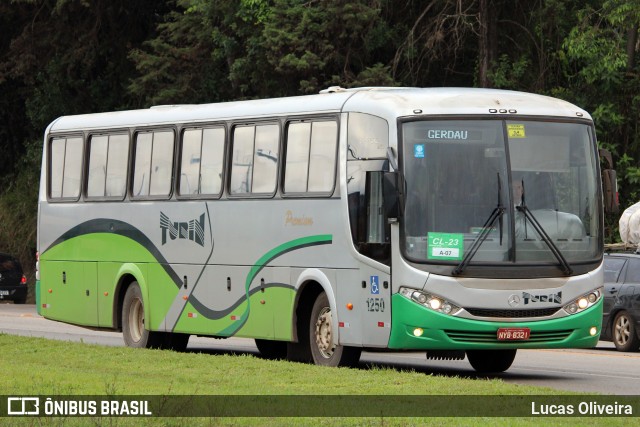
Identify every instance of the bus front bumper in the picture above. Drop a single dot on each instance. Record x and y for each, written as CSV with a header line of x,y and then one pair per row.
x,y
415,327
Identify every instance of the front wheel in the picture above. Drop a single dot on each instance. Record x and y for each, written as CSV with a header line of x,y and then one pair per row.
x,y
625,336
323,349
491,361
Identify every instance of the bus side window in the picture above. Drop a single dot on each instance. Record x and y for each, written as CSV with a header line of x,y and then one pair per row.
x,y
297,158
311,157
265,161
161,164
66,168
322,158
117,161
107,172
212,161
153,164
191,159
254,159
202,161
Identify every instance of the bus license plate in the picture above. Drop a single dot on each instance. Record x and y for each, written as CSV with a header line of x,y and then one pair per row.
x,y
513,334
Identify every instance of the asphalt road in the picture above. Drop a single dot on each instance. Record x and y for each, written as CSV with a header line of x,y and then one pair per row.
x,y
600,370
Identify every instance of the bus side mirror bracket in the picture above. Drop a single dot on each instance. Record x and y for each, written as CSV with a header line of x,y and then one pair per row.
x,y
609,184
381,199
391,196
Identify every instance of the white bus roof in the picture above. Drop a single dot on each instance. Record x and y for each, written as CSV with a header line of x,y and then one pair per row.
x,y
385,102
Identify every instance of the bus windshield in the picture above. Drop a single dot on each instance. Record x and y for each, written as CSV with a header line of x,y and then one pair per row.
x,y
489,182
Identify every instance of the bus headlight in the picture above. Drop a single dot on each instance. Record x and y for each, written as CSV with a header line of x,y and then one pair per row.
x,y
432,302
584,301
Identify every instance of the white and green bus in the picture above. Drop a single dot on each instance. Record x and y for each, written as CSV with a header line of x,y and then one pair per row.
x,y
451,221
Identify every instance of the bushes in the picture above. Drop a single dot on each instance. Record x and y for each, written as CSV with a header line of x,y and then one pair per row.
x,y
19,211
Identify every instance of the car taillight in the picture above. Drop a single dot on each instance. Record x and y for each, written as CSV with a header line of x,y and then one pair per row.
x,y
23,281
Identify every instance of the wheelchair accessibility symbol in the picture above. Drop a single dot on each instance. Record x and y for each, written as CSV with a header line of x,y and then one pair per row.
x,y
375,285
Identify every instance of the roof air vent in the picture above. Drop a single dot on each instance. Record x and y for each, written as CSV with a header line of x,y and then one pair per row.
x,y
332,89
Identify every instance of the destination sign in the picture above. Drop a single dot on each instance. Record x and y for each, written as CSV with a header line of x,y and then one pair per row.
x,y
454,135
447,134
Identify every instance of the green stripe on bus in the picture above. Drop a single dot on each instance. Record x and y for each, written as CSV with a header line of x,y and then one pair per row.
x,y
303,242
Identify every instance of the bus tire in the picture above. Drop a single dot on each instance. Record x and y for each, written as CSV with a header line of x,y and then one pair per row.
x,y
134,330
491,361
624,334
323,350
273,350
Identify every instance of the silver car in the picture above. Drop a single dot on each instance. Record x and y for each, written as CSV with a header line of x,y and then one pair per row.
x,y
621,315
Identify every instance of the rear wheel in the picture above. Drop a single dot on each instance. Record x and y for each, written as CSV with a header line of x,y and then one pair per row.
x,y
625,336
491,361
323,349
134,331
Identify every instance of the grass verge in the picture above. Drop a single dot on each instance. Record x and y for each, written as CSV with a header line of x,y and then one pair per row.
x,y
37,366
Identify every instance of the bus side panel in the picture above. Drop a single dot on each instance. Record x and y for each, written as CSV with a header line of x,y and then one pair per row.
x,y
107,281
281,298
368,322
217,297
69,291
161,292
350,291
222,305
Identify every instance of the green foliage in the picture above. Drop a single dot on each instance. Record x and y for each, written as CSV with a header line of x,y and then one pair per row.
x,y
18,211
509,74
603,78
55,368
61,57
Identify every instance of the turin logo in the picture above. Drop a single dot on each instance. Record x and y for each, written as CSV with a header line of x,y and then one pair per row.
x,y
190,230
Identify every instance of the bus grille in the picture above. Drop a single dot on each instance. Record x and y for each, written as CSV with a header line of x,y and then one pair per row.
x,y
540,312
491,337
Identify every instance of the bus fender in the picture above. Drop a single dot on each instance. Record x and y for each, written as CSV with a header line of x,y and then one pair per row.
x,y
318,276
129,269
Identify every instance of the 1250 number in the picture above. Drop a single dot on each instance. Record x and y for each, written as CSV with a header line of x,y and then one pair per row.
x,y
375,304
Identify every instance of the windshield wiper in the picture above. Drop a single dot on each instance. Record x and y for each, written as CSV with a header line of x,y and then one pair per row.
x,y
565,267
497,214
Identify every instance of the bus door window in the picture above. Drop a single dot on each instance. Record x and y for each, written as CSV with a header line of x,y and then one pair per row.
x,y
367,143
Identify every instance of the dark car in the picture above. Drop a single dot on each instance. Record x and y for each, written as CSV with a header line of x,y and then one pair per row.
x,y
13,284
621,317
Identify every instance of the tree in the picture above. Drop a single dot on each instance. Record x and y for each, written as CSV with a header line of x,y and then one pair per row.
x,y
57,57
602,76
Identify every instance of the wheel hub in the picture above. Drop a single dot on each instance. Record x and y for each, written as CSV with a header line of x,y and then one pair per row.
x,y
136,320
323,333
622,330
